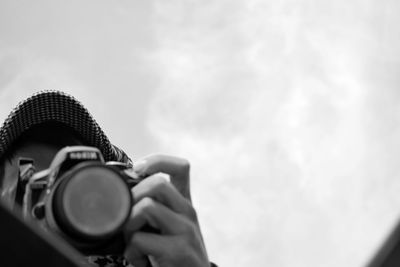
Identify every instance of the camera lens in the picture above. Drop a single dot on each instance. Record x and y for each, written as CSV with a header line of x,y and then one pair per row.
x,y
92,203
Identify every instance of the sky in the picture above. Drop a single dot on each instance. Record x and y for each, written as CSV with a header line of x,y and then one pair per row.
x,y
287,110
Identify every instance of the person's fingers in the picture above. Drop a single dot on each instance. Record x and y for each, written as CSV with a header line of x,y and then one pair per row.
x,y
159,189
177,168
162,163
168,250
136,257
150,244
153,261
148,212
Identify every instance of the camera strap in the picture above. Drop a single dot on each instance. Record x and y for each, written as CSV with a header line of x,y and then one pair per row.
x,y
18,175
25,172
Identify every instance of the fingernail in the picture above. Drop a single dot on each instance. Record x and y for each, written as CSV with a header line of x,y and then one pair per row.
x,y
165,176
139,166
153,261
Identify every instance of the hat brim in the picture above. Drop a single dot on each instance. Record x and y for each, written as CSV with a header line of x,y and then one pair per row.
x,y
57,106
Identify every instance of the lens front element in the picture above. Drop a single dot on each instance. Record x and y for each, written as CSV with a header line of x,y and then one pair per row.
x,y
93,203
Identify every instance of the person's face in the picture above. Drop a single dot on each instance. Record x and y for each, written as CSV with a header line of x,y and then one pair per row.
x,y
40,151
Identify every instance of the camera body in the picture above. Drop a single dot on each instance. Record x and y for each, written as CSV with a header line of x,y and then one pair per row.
x,y
81,198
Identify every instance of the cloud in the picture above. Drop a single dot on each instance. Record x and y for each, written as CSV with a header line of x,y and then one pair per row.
x,y
269,101
288,111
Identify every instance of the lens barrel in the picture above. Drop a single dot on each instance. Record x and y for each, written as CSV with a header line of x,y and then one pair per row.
x,y
92,202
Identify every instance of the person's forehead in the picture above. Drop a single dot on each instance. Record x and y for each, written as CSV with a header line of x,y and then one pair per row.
x,y
41,153
50,133
42,142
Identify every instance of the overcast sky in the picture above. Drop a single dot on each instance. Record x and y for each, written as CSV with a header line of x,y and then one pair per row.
x,y
288,110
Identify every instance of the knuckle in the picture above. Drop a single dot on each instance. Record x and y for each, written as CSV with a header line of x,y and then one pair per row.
x,y
157,157
181,243
184,250
158,183
134,240
184,165
161,182
147,204
190,231
132,253
191,212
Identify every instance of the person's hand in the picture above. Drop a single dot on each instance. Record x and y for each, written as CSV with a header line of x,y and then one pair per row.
x,y
167,207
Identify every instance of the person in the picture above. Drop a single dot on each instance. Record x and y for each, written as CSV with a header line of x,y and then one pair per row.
x,y
49,120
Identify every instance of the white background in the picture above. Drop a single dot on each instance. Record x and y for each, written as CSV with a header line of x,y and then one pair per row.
x,y
288,110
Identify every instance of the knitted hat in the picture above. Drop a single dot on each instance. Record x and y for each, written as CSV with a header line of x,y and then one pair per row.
x,y
56,106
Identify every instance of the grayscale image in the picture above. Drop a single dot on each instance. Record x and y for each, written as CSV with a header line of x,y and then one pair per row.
x,y
200,133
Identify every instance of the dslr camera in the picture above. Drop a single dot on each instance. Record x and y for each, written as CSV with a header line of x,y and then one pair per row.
x,y
80,197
